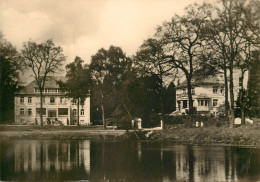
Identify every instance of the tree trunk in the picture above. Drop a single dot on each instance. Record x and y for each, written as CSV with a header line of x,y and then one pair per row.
x,y
248,81
226,90
231,65
189,87
162,103
242,102
41,109
231,90
242,108
243,119
1,108
103,111
78,112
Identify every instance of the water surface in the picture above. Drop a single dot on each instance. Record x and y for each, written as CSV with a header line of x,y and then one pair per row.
x,y
48,160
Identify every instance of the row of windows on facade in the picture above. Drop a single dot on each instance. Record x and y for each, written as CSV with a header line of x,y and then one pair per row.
x,y
52,113
47,90
52,100
205,102
214,89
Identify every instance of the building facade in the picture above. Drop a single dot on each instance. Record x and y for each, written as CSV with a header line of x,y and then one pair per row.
x,y
208,96
56,107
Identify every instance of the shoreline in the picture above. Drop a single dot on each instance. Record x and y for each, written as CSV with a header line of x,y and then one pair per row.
x,y
245,136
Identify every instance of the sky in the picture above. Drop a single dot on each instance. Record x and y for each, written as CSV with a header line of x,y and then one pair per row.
x,y
82,27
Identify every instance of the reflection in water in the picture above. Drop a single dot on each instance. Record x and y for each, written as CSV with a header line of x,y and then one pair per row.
x,y
50,156
125,161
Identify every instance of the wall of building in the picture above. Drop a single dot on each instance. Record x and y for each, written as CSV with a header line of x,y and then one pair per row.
x,y
204,93
60,102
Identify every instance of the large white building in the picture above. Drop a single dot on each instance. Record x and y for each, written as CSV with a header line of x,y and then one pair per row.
x,y
208,95
56,107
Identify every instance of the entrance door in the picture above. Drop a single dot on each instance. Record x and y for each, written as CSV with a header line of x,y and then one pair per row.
x,y
52,113
184,104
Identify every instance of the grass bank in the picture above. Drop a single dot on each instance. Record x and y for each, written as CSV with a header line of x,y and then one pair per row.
x,y
59,132
246,135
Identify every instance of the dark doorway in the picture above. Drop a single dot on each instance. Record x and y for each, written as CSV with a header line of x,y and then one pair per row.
x,y
184,104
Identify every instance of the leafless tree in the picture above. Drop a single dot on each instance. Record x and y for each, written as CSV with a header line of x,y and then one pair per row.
x,y
44,60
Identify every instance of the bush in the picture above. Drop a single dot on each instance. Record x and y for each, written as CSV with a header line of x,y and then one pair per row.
x,y
125,125
185,119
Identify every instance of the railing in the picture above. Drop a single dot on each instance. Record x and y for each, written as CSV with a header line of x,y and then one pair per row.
x,y
184,94
62,104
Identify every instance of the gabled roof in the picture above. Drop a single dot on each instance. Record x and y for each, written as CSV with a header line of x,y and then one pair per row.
x,y
50,83
198,81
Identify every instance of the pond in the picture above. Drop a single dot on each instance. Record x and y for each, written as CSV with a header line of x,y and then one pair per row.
x,y
62,160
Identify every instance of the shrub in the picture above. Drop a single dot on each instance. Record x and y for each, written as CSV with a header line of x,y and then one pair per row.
x,y
125,125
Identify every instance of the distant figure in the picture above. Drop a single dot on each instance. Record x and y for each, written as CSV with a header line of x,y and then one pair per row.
x,y
197,124
201,124
68,122
36,122
139,123
133,123
48,121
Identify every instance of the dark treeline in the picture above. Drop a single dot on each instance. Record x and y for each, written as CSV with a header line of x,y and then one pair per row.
x,y
208,39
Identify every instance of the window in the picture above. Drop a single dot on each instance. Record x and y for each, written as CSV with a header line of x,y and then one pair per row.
x,y
74,112
82,102
36,90
193,91
82,112
215,89
39,109
61,99
206,103
22,112
203,103
74,101
222,89
215,102
29,112
29,100
21,100
51,90
63,111
52,100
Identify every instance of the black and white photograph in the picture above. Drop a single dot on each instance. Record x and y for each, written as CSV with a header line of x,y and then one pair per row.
x,y
130,90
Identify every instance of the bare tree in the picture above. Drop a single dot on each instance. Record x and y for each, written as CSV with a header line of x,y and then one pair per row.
x,y
233,33
183,42
44,60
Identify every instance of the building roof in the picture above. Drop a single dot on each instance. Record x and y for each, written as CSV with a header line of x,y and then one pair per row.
x,y
203,96
50,83
198,81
